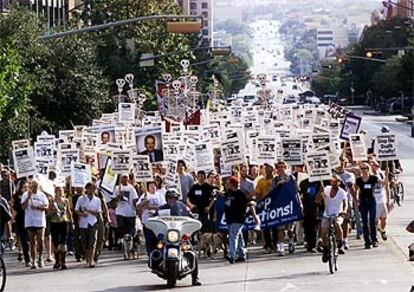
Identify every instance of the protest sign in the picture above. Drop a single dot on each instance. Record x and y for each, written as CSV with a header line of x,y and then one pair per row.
x,y
320,140
20,144
385,147
279,208
358,147
142,168
351,125
80,174
126,113
66,157
266,149
232,150
318,166
292,151
203,157
24,163
121,162
148,141
109,178
42,166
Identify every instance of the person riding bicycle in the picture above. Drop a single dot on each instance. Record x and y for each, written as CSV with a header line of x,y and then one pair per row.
x,y
336,204
175,207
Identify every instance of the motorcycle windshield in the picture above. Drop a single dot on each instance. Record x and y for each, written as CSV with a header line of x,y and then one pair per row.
x,y
162,224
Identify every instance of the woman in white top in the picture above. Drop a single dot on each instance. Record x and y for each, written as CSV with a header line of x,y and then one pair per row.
x,y
147,205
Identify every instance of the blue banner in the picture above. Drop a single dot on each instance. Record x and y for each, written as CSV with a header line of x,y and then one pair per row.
x,y
278,208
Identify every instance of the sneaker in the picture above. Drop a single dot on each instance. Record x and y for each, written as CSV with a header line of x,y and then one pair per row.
x,y
56,266
291,246
28,265
358,236
230,260
196,282
70,253
20,257
34,266
280,249
310,250
384,235
341,250
346,245
367,246
375,244
240,260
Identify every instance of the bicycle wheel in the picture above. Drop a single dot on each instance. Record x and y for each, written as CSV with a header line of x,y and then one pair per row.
x,y
331,247
2,275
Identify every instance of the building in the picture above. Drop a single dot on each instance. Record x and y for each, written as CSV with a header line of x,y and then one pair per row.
x,y
55,12
227,10
405,8
353,34
205,9
222,39
185,6
325,43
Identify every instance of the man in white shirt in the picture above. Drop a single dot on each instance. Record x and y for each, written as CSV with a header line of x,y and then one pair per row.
x,y
336,204
126,211
88,207
35,204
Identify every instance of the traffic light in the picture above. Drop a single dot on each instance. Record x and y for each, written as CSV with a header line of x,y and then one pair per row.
x,y
373,54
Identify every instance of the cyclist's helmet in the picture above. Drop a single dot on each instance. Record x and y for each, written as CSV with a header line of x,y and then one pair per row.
x,y
172,193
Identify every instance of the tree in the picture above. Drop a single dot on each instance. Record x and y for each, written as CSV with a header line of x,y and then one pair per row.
x,y
14,89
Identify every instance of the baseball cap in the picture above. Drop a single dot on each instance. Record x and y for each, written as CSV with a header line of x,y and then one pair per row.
x,y
233,181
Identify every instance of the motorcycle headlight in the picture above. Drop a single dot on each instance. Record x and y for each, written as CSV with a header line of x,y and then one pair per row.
x,y
173,236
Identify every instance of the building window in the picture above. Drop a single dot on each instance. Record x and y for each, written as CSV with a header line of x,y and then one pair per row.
x,y
204,5
193,5
205,32
205,23
205,14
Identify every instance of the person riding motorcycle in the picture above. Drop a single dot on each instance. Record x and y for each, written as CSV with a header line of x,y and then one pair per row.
x,y
178,208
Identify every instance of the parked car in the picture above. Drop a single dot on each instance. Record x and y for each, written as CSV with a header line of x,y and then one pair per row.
x,y
397,106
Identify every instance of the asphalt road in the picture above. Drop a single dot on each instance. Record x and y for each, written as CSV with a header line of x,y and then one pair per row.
x,y
383,269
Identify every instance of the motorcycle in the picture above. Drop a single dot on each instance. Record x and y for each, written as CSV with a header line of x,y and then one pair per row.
x,y
174,258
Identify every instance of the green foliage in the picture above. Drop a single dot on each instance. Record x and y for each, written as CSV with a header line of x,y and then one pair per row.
x,y
327,81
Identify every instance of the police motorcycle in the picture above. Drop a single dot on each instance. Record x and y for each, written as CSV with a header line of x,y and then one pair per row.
x,y
174,258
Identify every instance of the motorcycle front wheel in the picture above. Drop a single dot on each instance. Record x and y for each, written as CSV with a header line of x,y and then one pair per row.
x,y
172,273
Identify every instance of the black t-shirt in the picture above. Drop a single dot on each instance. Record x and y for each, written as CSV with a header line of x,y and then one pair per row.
x,y
366,188
235,204
17,207
201,196
309,191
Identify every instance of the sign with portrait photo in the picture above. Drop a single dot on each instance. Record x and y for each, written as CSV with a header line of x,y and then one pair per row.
x,y
24,162
121,161
292,151
80,174
148,141
318,166
351,125
142,168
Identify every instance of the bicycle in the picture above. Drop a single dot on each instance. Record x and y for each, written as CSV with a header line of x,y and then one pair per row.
x,y
3,272
332,245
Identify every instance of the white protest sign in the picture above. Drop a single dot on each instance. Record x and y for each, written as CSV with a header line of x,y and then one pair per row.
x,y
45,151
358,147
266,149
320,140
142,168
42,166
109,178
24,163
351,126
318,165
66,157
126,113
80,174
121,161
203,157
232,150
292,151
385,147
20,144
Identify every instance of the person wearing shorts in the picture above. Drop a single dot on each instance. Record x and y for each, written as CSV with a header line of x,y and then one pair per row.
x,y
35,204
88,208
336,204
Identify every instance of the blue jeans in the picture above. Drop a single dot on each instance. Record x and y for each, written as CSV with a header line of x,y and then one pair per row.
x,y
358,223
236,240
368,208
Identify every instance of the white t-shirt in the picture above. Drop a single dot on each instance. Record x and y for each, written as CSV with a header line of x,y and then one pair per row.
x,y
84,203
333,205
34,217
126,206
347,178
156,199
379,192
